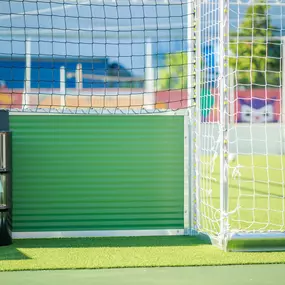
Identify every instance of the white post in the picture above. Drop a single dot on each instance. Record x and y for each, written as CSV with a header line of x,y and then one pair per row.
x,y
232,96
224,120
28,70
283,96
149,90
193,102
189,132
62,87
78,77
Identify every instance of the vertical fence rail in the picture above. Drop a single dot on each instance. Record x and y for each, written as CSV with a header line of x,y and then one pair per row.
x,y
28,70
62,87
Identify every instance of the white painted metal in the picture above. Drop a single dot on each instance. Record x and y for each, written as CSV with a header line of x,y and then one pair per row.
x,y
28,70
283,95
62,87
78,77
223,91
197,116
149,94
191,58
119,233
231,96
267,241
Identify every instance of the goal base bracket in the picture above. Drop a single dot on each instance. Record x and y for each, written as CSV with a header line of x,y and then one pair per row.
x,y
256,242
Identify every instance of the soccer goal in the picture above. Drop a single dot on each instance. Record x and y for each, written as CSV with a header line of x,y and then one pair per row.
x,y
207,76
239,130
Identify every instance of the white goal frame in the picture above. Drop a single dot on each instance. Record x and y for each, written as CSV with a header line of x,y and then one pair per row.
x,y
227,238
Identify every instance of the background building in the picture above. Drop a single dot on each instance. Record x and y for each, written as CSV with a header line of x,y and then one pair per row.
x,y
45,71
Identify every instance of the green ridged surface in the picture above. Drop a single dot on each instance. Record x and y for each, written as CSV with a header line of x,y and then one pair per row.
x,y
73,173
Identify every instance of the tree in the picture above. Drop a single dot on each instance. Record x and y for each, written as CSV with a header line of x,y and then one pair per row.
x,y
255,60
174,75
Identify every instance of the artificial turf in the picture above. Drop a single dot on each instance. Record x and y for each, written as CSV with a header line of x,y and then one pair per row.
x,y
95,253
256,201
256,193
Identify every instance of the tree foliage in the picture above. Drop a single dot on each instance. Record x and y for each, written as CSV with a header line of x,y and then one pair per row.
x,y
254,56
174,75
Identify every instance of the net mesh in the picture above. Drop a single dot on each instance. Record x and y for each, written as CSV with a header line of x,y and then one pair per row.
x,y
256,60
241,158
141,56
207,130
92,56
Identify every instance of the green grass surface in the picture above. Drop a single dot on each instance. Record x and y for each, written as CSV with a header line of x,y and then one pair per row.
x,y
87,253
256,194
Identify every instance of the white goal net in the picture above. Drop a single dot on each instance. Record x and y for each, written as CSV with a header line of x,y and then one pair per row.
x,y
92,56
240,131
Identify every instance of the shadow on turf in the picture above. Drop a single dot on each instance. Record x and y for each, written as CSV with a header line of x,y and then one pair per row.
x,y
11,253
164,241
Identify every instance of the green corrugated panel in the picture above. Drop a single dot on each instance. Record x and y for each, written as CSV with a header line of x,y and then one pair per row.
x,y
97,172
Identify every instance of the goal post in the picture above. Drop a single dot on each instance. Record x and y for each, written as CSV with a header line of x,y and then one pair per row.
x,y
283,93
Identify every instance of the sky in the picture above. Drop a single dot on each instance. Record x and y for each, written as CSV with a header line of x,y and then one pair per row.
x,y
92,29
114,29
